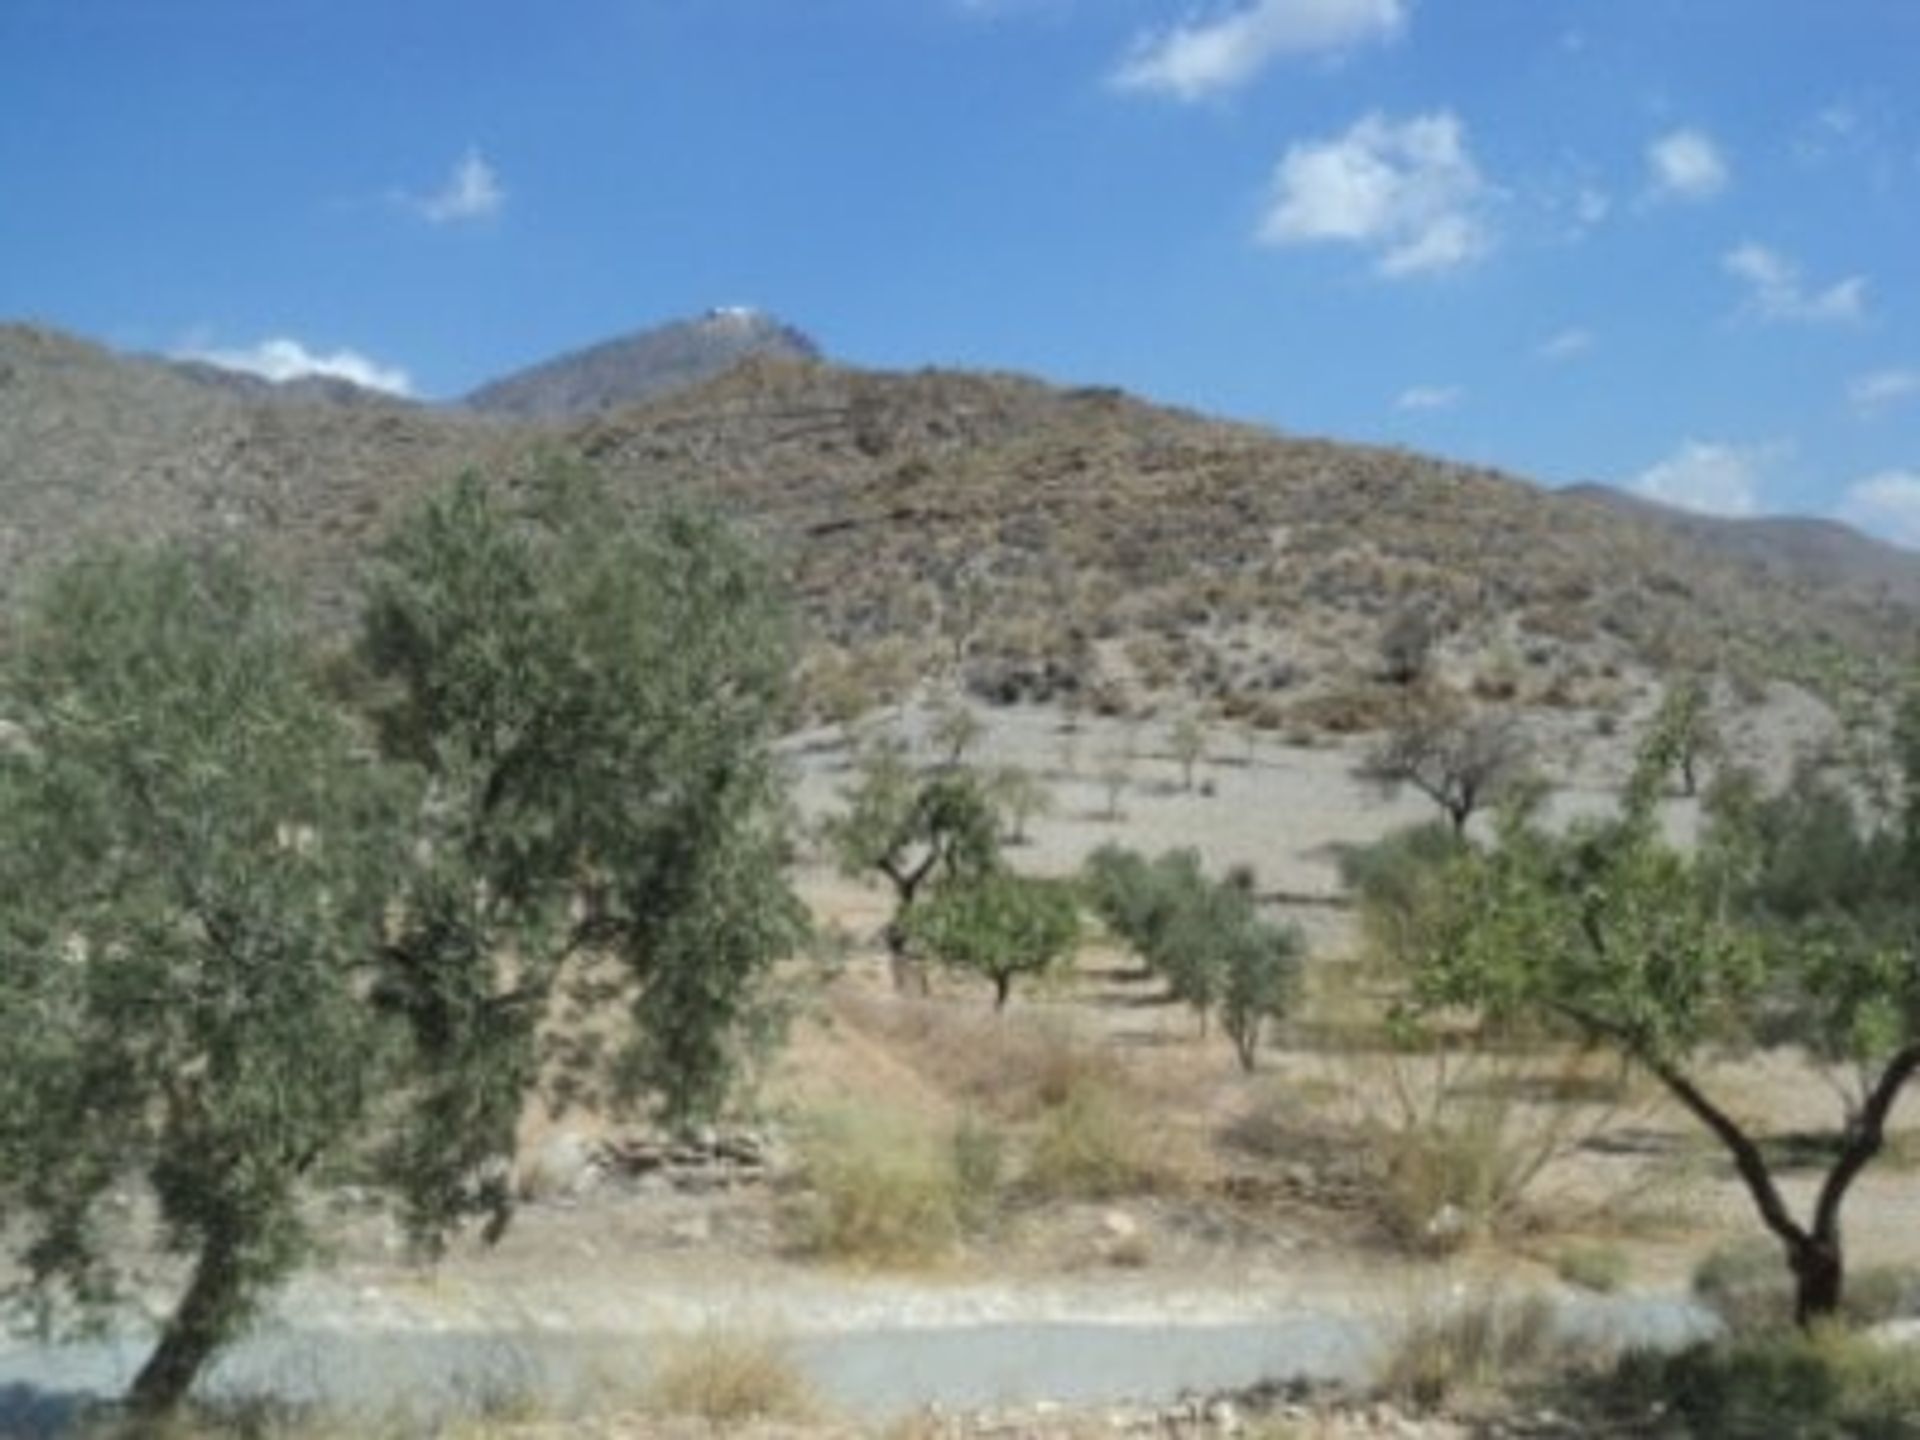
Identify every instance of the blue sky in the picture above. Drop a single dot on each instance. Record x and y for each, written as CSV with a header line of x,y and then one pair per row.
x,y
1668,244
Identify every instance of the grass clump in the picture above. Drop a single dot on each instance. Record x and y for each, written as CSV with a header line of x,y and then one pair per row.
x,y
729,1378
881,1189
1091,1145
1478,1345
1598,1267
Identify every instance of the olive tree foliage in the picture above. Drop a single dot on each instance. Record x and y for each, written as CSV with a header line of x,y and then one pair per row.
x,y
917,830
1669,959
999,925
1203,937
1459,759
591,703
195,864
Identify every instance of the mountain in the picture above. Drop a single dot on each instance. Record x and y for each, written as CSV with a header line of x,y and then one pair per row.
x,y
1047,539
641,366
1807,550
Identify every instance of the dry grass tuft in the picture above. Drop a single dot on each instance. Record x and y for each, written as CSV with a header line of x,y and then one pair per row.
x,y
730,1378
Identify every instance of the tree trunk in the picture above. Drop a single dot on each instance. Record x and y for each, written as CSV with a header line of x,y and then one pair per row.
x,y
198,1327
1002,987
1246,1044
1819,1276
909,974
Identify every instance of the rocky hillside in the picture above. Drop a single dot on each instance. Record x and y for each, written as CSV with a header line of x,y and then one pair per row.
x,y
1052,541
641,366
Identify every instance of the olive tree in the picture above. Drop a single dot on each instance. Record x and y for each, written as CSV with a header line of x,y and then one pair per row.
x,y
1204,937
999,925
1669,958
195,864
591,705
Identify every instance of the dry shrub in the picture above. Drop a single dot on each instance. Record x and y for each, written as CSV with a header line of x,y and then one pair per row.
x,y
1094,1144
1479,1344
881,1190
1461,1127
729,1378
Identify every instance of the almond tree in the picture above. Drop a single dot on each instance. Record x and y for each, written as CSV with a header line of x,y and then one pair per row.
x,y
1459,760
1668,959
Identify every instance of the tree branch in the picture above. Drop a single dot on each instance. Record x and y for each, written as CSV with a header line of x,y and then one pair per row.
x,y
1864,1139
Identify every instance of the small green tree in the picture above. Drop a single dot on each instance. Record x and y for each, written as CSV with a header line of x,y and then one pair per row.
x,y
916,832
954,729
1021,796
194,869
1262,970
1613,934
1684,732
999,925
1203,937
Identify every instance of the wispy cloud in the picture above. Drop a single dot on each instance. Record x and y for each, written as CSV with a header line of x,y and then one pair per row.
x,y
1408,191
1883,389
1709,477
1566,345
1430,397
1775,290
1686,165
1887,505
280,359
1206,58
471,191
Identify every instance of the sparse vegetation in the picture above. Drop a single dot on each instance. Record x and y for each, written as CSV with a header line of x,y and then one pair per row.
x,y
728,1378
881,1190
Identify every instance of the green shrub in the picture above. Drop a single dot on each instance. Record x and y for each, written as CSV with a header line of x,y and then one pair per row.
x,y
1831,1385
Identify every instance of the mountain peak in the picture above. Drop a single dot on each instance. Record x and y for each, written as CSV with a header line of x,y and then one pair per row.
x,y
642,365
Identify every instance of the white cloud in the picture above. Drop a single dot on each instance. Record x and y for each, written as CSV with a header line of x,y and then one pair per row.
x,y
1202,58
1592,205
1883,388
1410,192
1775,291
472,191
1887,504
1708,477
281,359
1686,165
1430,397
1566,345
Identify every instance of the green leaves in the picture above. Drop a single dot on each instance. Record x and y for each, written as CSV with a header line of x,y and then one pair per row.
x,y
1204,937
196,859
999,925
591,702
240,943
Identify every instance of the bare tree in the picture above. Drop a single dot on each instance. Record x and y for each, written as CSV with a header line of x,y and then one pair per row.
x,y
1459,760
